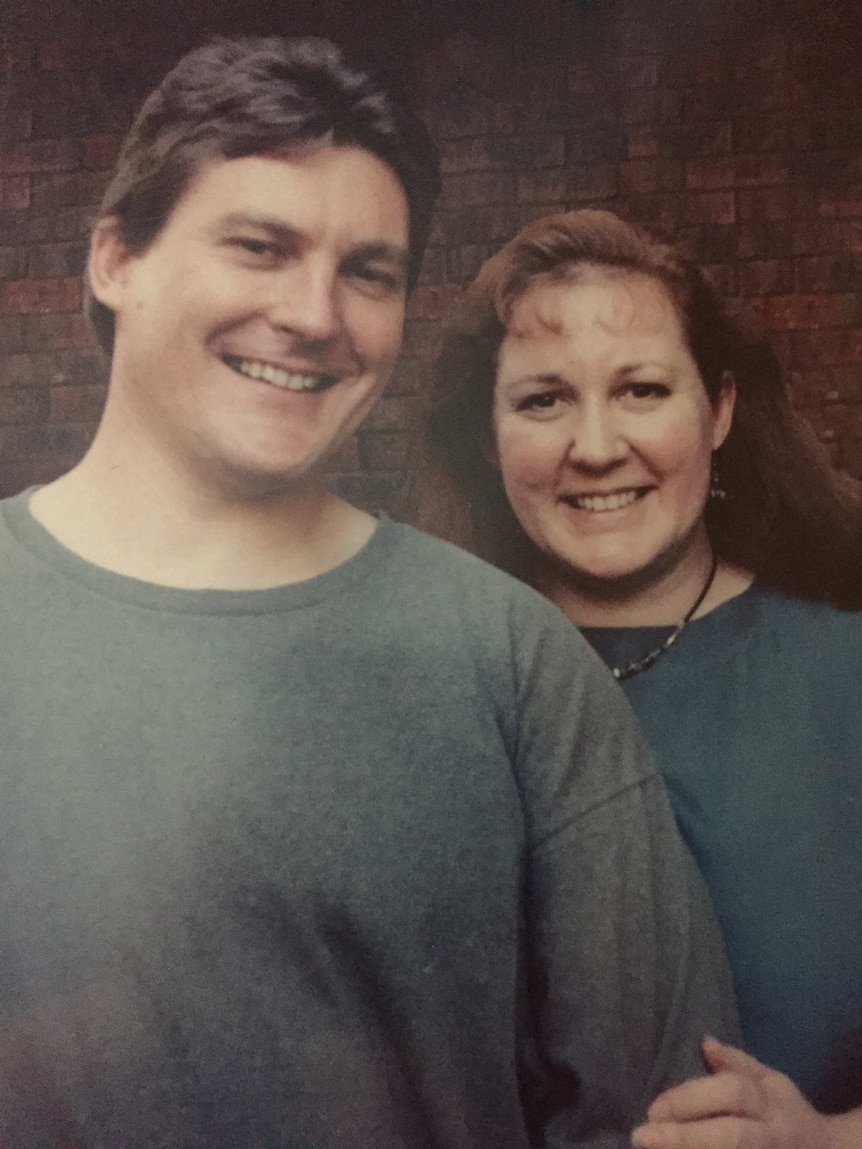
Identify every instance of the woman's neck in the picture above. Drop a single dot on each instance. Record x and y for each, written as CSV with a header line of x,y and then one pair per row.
x,y
662,601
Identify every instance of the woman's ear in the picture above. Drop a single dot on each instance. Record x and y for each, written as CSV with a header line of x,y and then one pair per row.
x,y
722,409
108,264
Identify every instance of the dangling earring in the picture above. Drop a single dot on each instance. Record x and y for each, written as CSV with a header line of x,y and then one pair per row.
x,y
716,490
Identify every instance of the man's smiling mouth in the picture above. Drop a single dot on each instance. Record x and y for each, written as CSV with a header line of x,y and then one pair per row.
x,y
277,376
611,502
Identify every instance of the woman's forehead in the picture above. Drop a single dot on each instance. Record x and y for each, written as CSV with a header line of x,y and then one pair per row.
x,y
611,300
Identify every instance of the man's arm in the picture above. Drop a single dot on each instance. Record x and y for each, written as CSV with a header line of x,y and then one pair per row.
x,y
626,967
746,1104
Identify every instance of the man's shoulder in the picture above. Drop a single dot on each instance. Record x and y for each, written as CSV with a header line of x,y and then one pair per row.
x,y
442,571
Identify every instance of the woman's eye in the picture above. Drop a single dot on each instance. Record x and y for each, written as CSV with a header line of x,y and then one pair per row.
x,y
648,390
541,401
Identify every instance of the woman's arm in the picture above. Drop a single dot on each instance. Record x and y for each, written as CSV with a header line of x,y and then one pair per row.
x,y
743,1104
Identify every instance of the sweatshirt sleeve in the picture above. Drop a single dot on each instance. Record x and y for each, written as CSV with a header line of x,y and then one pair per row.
x,y
625,966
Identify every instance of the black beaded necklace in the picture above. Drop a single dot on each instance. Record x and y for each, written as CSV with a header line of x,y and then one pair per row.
x,y
622,672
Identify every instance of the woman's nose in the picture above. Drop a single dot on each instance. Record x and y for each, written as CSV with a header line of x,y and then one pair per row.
x,y
596,442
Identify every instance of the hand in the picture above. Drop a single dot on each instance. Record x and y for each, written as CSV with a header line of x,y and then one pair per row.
x,y
743,1105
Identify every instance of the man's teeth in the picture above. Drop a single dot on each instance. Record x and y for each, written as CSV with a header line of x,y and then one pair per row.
x,y
604,502
289,380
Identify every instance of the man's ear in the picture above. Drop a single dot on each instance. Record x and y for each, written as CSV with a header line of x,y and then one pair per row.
x,y
108,264
722,409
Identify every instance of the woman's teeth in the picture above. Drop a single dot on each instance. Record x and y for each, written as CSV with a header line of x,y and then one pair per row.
x,y
288,380
605,502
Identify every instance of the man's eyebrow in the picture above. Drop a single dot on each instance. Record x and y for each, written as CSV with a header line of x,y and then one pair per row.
x,y
376,249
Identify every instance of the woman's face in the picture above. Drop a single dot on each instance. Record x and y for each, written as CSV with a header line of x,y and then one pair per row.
x,y
603,429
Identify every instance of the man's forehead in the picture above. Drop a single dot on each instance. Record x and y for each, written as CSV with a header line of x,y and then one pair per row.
x,y
337,188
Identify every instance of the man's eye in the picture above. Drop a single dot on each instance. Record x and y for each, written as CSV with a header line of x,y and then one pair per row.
x,y
256,247
379,278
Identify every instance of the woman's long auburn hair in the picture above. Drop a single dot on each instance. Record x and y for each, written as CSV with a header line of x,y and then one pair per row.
x,y
787,515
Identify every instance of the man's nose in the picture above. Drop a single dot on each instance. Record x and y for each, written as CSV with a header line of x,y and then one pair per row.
x,y
305,301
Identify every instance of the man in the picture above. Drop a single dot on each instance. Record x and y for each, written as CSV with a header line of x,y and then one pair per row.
x,y
315,832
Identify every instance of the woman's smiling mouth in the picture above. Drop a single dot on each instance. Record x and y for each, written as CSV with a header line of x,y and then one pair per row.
x,y
278,376
614,501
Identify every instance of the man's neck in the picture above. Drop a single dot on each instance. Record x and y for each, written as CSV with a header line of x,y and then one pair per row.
x,y
146,524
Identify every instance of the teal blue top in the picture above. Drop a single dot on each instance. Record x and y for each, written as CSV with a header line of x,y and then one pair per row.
x,y
755,716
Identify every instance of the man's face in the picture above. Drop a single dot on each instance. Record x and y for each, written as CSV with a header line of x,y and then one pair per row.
x,y
260,326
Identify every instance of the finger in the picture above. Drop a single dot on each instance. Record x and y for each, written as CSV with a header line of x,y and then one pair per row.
x,y
719,1056
718,1133
723,1094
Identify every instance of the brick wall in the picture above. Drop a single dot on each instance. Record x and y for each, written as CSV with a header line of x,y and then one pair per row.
x,y
733,125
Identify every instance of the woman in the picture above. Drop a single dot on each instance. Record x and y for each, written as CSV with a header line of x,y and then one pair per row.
x,y
613,438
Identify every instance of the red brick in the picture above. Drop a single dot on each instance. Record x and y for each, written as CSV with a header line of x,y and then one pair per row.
x,y
11,334
583,79
766,277
848,384
100,152
55,260
421,338
77,404
370,491
589,143
706,103
775,203
466,155
543,187
643,142
38,156
643,177
39,296
50,332
638,71
15,193
788,312
844,203
465,112
433,265
432,302
811,388
70,189
777,133
660,213
478,188
828,347
15,124
384,450
392,413
722,276
13,263
710,207
463,262
22,406
598,181
56,55
65,441
827,273
411,377
345,457
640,106
710,172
